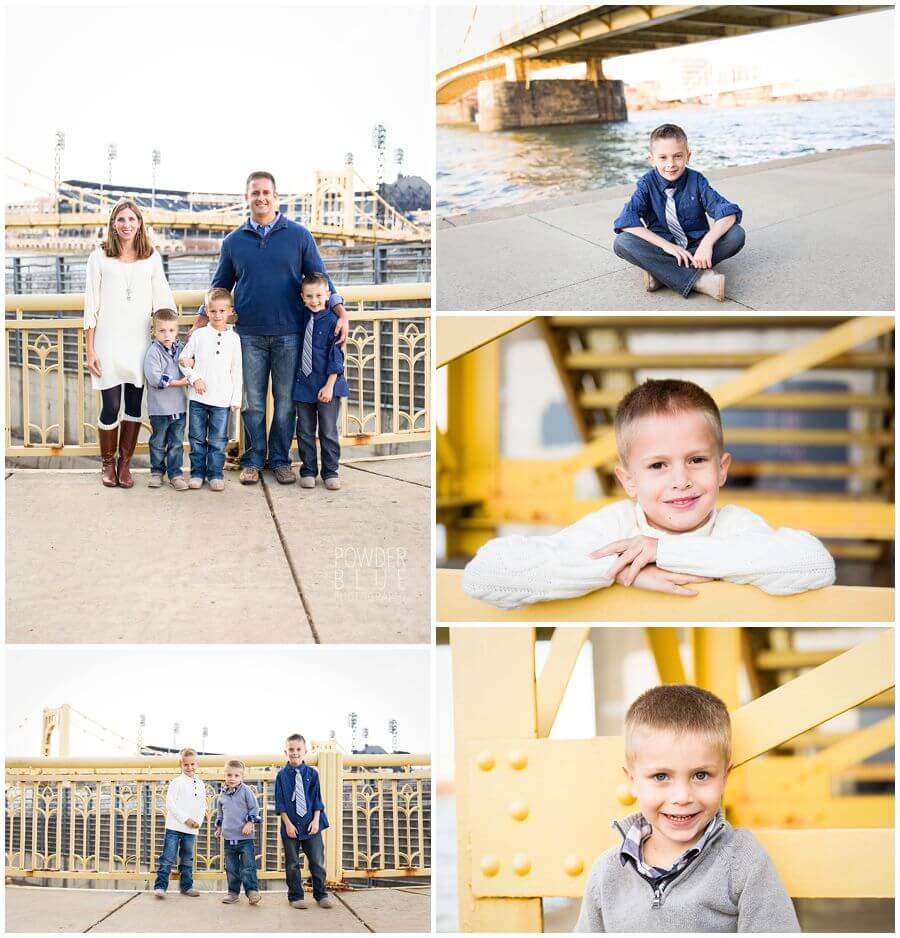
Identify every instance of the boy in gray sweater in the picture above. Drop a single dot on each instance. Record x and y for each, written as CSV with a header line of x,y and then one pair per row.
x,y
681,867
166,401
237,810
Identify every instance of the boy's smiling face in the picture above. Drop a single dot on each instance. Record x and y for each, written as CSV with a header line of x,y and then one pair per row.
x,y
314,296
678,780
674,469
189,766
217,312
295,750
670,157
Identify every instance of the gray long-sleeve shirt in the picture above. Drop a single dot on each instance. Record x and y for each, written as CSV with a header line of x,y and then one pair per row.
x,y
233,809
161,368
732,886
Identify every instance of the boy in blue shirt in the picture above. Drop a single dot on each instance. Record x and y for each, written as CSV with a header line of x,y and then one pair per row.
x,y
319,385
298,801
663,228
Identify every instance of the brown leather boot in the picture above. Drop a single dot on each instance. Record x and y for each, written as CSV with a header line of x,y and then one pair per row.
x,y
109,441
128,434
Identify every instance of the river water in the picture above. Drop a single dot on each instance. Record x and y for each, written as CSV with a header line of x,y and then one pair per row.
x,y
479,171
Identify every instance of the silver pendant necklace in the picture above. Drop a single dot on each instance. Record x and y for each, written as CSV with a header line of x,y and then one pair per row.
x,y
128,281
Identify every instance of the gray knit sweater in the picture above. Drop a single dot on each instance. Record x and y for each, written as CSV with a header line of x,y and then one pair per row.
x,y
732,886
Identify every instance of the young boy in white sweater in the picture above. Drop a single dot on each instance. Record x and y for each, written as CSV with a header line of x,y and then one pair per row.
x,y
680,866
672,464
185,811
211,360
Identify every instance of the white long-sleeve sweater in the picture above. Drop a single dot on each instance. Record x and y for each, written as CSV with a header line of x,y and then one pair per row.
x,y
185,798
734,545
217,360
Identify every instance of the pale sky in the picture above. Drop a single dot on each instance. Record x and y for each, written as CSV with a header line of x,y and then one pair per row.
x,y
219,90
251,697
849,51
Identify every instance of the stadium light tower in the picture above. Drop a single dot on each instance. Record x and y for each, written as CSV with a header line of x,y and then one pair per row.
x,y
58,148
156,161
348,159
352,722
379,141
203,734
142,722
392,729
175,730
112,153
398,160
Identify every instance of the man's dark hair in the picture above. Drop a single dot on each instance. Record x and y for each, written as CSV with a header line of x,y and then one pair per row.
x,y
668,132
261,174
314,277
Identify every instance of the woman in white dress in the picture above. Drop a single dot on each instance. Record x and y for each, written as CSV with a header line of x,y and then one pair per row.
x,y
125,283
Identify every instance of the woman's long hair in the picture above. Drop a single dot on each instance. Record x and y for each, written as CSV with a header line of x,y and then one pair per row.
x,y
112,246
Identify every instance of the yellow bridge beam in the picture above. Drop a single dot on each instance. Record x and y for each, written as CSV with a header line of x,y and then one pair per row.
x,y
459,335
755,379
715,602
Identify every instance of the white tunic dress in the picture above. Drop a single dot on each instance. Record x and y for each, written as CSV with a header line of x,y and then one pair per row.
x,y
122,326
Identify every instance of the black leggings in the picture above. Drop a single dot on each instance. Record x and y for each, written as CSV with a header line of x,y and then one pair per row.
x,y
112,401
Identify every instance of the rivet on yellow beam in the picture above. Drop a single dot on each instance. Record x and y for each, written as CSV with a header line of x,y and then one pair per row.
x,y
573,864
490,865
519,810
517,759
521,864
485,760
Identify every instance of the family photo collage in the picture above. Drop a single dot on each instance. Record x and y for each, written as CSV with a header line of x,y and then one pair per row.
x,y
450,468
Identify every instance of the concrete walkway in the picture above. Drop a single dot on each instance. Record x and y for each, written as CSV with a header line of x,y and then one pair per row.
x,y
54,910
820,236
261,563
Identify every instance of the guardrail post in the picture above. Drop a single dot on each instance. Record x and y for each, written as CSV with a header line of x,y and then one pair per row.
x,y
331,780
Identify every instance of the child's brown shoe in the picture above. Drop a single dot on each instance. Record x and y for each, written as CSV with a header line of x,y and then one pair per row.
x,y
190,892
178,484
231,898
651,284
253,897
709,283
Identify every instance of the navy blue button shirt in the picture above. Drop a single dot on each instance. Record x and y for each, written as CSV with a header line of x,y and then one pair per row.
x,y
695,198
284,797
327,359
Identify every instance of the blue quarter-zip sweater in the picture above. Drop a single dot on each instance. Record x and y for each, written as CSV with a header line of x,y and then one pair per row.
x,y
265,275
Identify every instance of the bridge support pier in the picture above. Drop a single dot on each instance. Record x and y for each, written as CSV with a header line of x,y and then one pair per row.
x,y
509,105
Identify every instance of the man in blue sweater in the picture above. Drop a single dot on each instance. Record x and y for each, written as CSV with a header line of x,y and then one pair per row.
x,y
263,263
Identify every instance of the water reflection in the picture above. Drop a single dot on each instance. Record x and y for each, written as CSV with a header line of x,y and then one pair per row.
x,y
478,171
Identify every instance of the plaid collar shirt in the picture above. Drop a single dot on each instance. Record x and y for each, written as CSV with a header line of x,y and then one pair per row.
x,y
640,829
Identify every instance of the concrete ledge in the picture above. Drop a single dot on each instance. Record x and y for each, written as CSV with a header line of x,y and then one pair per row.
x,y
715,602
820,237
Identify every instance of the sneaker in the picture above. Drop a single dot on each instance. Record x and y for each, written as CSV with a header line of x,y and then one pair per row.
x,y
307,482
333,484
217,485
231,898
299,904
195,483
325,903
159,893
155,480
249,475
190,892
285,475
253,897
178,484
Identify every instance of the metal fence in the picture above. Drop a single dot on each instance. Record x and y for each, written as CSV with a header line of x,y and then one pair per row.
x,y
51,409
89,820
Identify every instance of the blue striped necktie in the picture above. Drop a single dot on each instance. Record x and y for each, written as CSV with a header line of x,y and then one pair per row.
x,y
306,359
672,219
299,796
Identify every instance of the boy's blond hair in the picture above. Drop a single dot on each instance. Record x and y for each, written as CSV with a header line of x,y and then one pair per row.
x,y
235,764
680,708
669,396
219,293
187,752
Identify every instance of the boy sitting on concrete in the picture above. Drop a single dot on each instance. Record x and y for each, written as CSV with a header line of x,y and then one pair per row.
x,y
681,867
672,464
663,228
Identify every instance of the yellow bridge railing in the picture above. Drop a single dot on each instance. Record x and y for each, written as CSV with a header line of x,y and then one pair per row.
x,y
51,409
104,819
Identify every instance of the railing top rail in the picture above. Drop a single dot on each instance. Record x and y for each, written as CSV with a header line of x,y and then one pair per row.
x,y
54,763
375,293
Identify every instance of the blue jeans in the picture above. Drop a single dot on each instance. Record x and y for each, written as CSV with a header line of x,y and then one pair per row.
x,y
208,433
327,416
314,848
240,866
167,446
174,840
664,267
264,355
